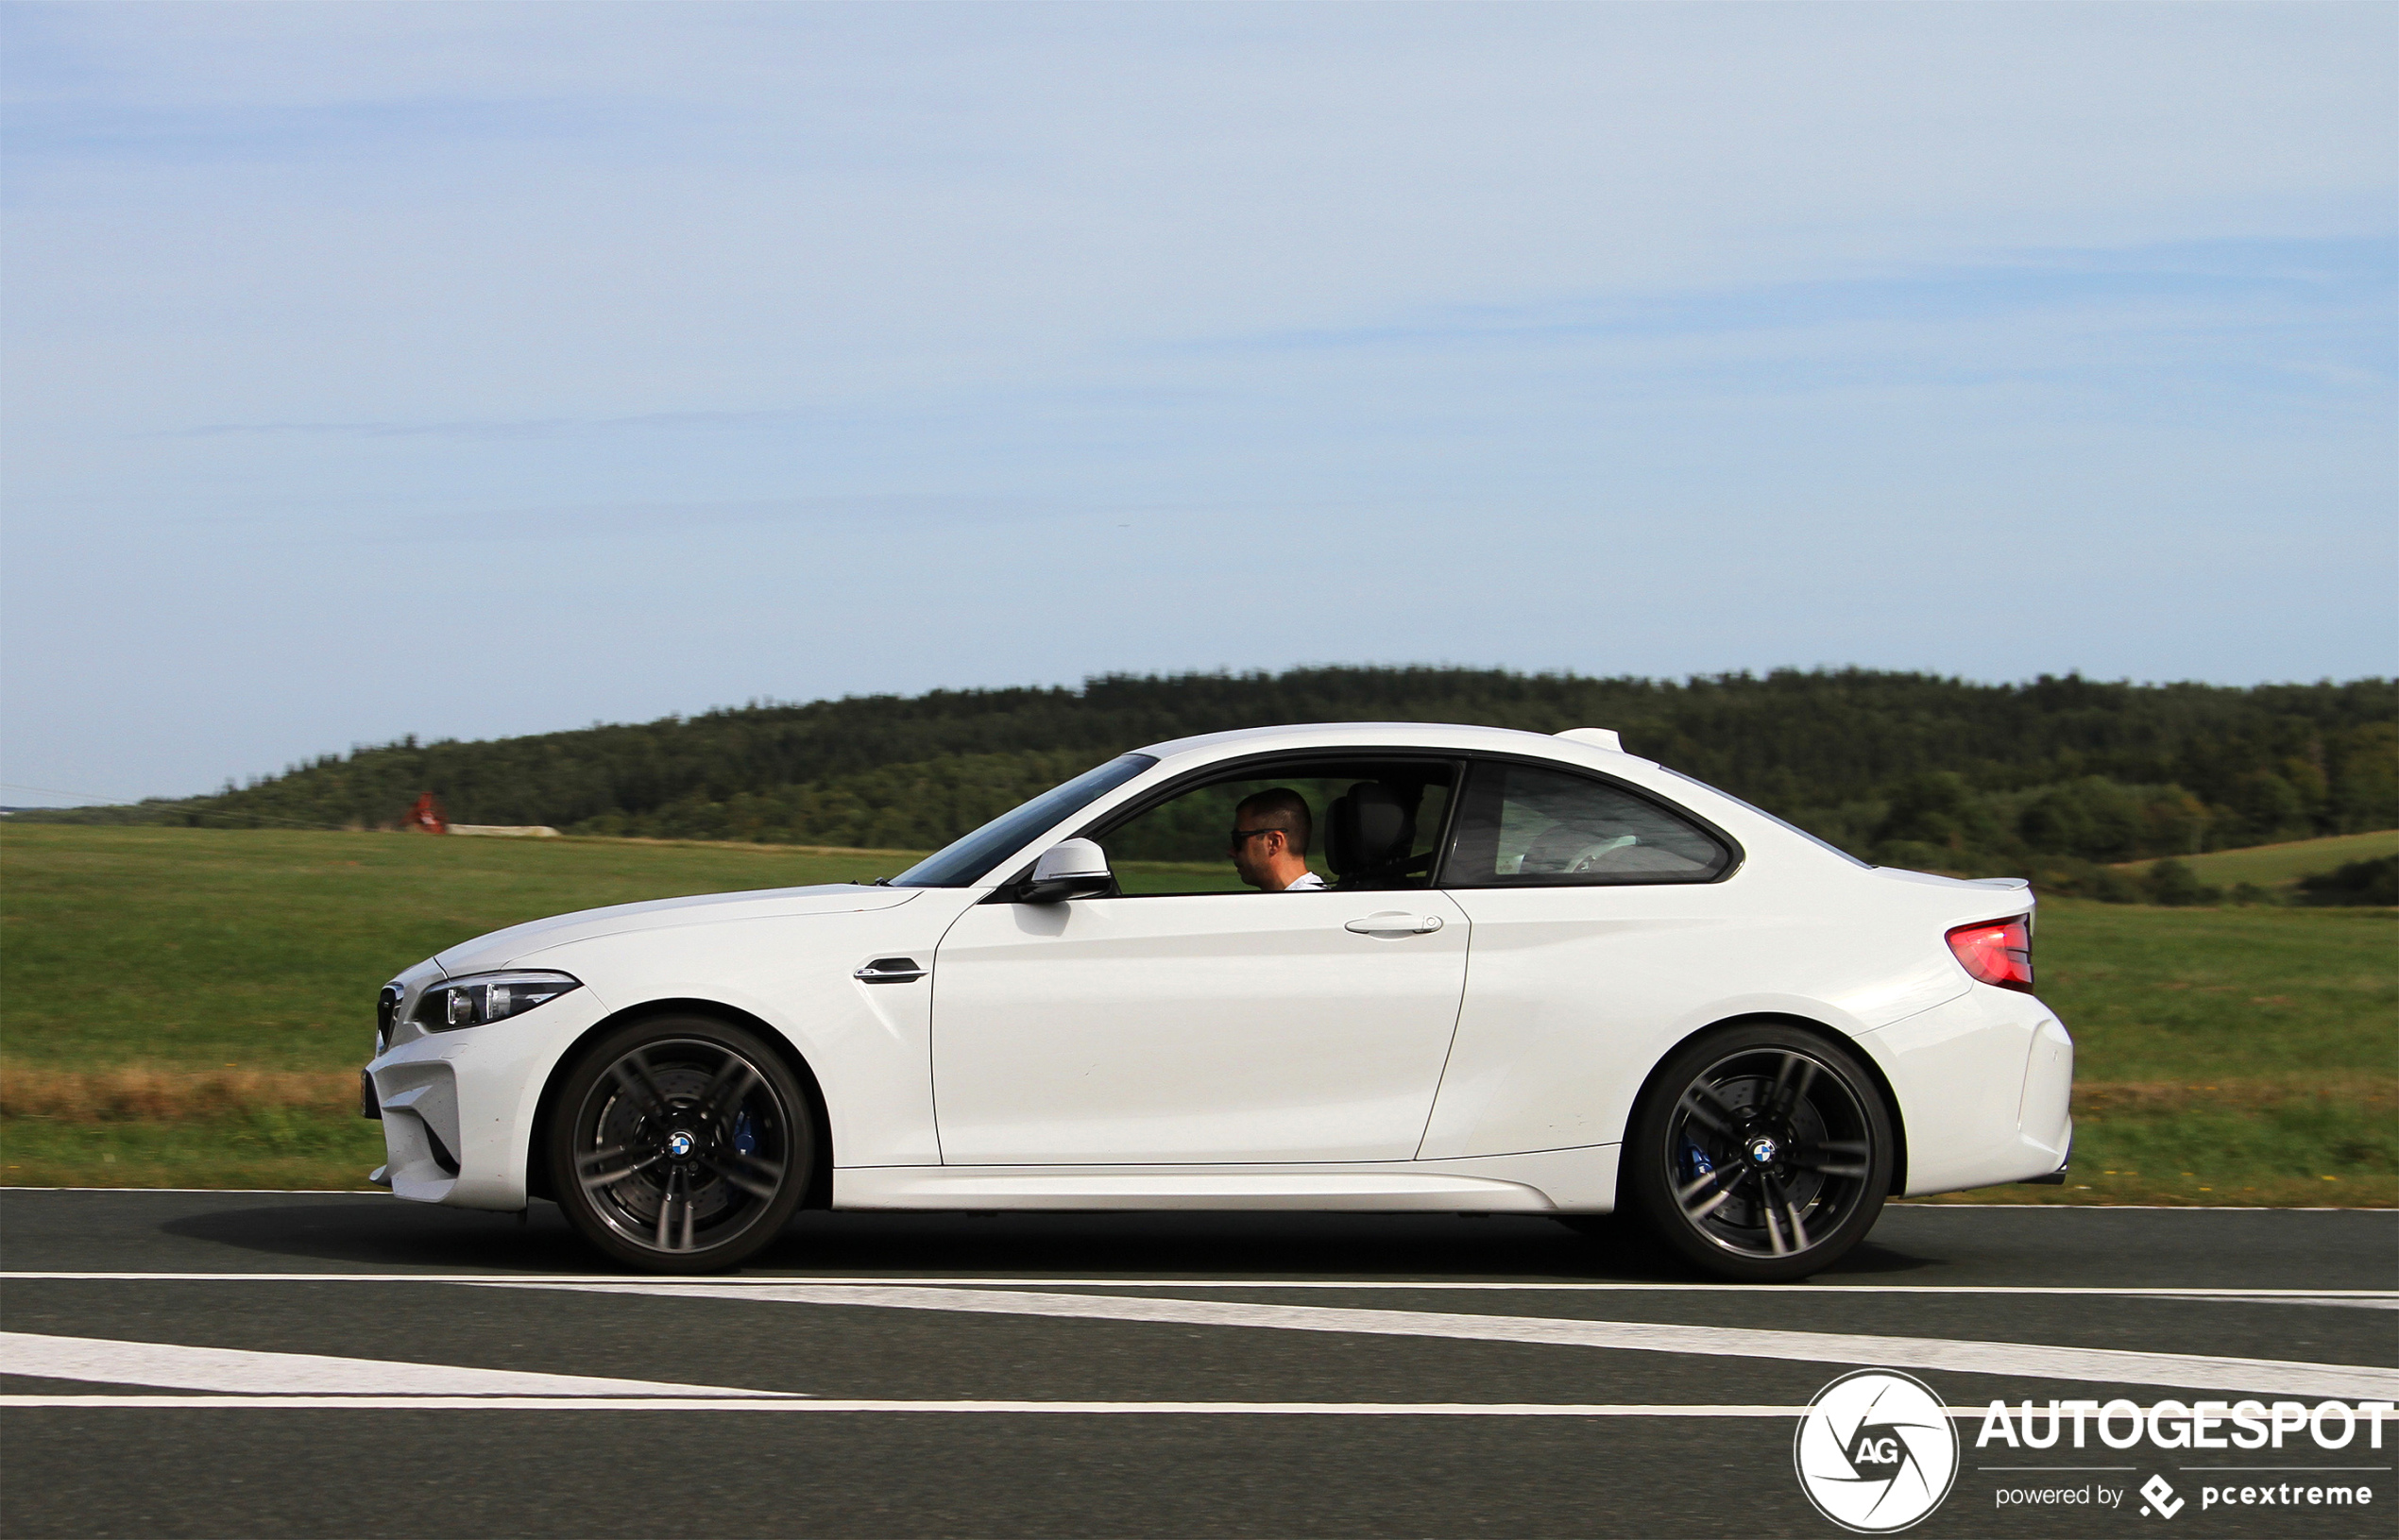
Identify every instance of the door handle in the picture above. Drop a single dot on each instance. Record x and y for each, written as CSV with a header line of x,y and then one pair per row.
x,y
890,971
1393,923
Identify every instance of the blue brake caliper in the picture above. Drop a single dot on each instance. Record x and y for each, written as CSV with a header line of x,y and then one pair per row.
x,y
745,1139
1695,1162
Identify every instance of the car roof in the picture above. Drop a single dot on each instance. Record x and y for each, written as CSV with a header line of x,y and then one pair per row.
x,y
1452,737
1591,748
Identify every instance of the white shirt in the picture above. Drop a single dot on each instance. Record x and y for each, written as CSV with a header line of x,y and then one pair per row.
x,y
1306,884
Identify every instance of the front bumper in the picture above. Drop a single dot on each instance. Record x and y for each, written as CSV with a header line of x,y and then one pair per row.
x,y
458,1108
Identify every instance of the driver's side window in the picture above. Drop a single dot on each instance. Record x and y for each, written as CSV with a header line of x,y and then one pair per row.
x,y
1522,825
1359,824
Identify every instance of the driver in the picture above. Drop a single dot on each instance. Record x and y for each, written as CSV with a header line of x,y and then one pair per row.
x,y
1271,842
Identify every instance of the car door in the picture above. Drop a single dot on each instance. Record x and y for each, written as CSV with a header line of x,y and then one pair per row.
x,y
1602,917
1207,1028
1187,1019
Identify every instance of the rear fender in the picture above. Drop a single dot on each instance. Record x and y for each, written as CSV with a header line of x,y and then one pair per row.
x,y
1857,1046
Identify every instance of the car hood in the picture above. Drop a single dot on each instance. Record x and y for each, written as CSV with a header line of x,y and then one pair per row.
x,y
503,947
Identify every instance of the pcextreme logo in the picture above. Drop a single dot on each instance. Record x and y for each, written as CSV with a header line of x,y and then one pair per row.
x,y
1876,1452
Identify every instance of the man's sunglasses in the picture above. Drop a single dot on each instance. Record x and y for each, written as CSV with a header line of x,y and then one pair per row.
x,y
1239,835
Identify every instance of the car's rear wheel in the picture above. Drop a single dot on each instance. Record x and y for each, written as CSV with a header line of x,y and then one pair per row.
x,y
1763,1153
681,1144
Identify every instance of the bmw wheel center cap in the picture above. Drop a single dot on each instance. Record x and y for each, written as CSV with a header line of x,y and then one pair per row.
x,y
680,1143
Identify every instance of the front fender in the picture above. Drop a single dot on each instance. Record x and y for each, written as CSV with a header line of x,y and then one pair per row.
x,y
869,1046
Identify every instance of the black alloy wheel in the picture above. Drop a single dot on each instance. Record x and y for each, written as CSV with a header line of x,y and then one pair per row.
x,y
681,1144
1761,1153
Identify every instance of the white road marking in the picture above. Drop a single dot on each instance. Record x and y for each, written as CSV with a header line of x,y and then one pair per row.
x,y
2381,1298
2367,1302
603,1403
2033,1359
768,1403
172,1366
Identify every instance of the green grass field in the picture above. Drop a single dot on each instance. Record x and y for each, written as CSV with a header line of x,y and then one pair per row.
x,y
200,948
2280,866
189,1007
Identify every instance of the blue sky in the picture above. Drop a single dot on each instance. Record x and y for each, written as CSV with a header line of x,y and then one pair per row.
x,y
468,370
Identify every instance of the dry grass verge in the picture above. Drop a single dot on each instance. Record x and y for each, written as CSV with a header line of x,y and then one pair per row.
x,y
149,1093
2104,1100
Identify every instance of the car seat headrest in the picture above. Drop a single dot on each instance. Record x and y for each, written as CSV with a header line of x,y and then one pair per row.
x,y
1368,831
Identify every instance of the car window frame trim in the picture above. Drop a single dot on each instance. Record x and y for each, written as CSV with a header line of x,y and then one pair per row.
x,y
1708,827
1460,761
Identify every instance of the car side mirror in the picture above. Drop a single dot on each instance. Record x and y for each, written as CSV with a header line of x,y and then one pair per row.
x,y
1069,869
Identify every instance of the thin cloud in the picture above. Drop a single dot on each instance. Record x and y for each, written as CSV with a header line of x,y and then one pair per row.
x,y
527,427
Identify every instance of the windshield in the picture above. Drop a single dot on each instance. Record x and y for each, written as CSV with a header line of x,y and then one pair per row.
x,y
967,861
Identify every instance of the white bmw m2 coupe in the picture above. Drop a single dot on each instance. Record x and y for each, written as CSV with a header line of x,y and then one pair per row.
x,y
1518,973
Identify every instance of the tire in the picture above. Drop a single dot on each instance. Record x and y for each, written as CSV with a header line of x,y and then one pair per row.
x,y
1760,1154
681,1144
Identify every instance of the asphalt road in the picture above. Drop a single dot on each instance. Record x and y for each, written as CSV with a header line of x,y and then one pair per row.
x,y
247,1363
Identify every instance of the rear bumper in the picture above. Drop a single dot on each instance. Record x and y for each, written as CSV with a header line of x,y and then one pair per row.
x,y
2057,1177
1983,1083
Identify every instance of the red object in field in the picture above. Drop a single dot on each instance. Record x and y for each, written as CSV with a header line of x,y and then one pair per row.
x,y
1996,952
427,815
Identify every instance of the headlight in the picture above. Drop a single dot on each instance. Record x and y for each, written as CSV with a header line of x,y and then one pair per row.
x,y
480,999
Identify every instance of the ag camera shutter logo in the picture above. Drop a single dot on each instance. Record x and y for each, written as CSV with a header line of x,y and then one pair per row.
x,y
1876,1452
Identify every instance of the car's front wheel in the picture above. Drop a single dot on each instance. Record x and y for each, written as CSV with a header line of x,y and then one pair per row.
x,y
1762,1153
681,1144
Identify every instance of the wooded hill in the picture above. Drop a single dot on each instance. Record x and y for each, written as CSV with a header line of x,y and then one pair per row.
x,y
1908,769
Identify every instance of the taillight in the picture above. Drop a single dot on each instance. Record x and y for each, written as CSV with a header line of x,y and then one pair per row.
x,y
1996,952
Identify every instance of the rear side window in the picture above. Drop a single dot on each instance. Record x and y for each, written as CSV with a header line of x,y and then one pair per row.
x,y
1522,825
